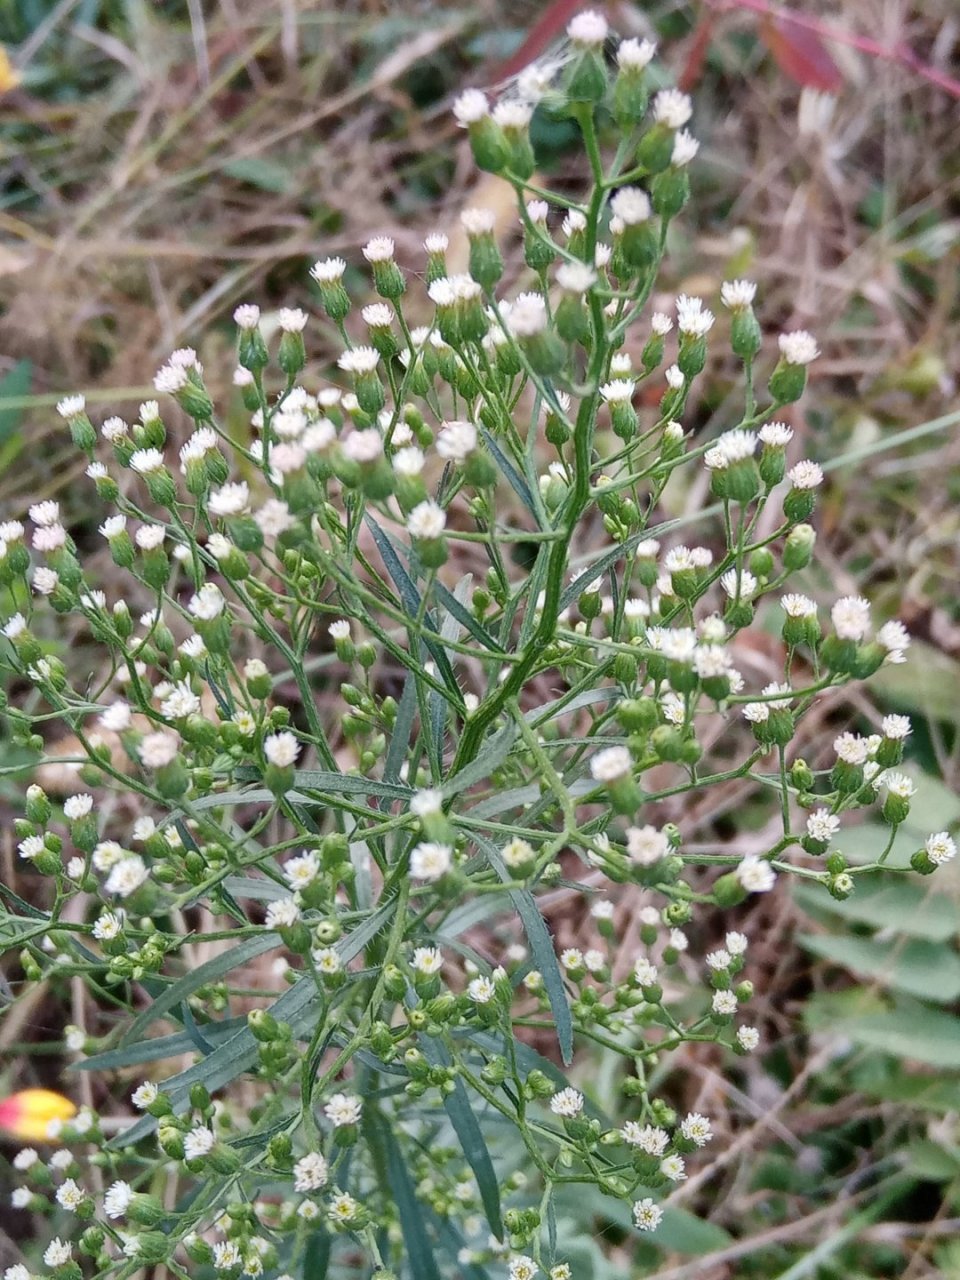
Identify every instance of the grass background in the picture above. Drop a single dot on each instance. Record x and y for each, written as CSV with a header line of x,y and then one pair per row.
x,y
162,161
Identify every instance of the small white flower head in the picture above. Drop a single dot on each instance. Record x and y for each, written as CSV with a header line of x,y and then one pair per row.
x,y
425,803
805,475
50,538
717,960
724,1002
71,407
795,605
822,825
736,943
18,1271
748,1038
528,316
198,1142
328,271
672,108
692,317
246,316
343,1109
673,1168
576,277
436,243
292,319
798,347
567,1103
226,1255
661,323
756,874
896,728
108,925
696,1128
940,848
377,316
144,1095
522,1268
45,581
427,961
339,630
117,1198
25,1159
57,1253
302,870
126,876
646,1215
588,29
230,500
646,973
646,845
379,249
777,435
611,764
471,107
573,222
77,806
851,617
896,784
481,990
159,749
743,584
517,852
363,446
634,55
631,205
430,860
311,1172
651,1140
737,295
282,913
478,222
427,520
456,441
851,748
327,960
685,148
44,514
675,378
620,391
208,603
281,749
894,637
514,116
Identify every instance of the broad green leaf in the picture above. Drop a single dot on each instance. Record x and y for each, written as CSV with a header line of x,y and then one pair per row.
x,y
925,1093
908,1030
908,906
542,951
465,1125
928,684
211,971
491,756
920,968
931,1161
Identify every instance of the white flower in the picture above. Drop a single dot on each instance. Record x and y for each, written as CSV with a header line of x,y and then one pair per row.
x,y
427,960
692,317
634,55
576,277
896,728
588,28
328,271
631,205
281,749
743,584
672,108
159,749
198,1142
208,603
940,848
675,378
117,1199
430,860
851,617
456,441
894,637
107,926
226,1255
127,876
327,960
180,702
724,1002
311,1172
737,294
755,874
620,391
611,764
77,806
292,319
851,748
673,1168
379,249
645,973
339,630
57,1253
522,1268
246,316
229,500
822,825
481,990
748,1038
646,845
647,1215
528,316
71,407
274,518
437,242
302,870
798,347
146,461
282,913
805,475
359,360
144,1095
43,515
343,1109
50,538
732,446
18,1271
567,1103
650,1139
517,852
696,1128
427,520
795,605
897,784
717,960
426,802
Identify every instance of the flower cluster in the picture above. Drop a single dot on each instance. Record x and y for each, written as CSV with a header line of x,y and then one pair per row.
x,y
413,647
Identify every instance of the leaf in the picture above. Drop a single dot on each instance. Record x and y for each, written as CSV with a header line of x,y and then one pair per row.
x,y
420,1256
909,907
903,966
541,950
487,760
158,1048
931,1161
467,1129
909,1030
800,53
465,618
514,478
268,175
402,728
13,385
929,684
212,970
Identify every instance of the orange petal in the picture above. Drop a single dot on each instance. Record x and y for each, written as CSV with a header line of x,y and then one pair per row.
x,y
27,1115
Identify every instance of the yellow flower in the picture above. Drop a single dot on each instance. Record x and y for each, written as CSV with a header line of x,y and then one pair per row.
x,y
27,1115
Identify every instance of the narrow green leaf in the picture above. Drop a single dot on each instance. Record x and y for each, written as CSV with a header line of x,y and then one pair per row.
x,y
423,1264
466,619
541,951
13,385
402,728
211,971
489,758
513,476
467,1129
158,1048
